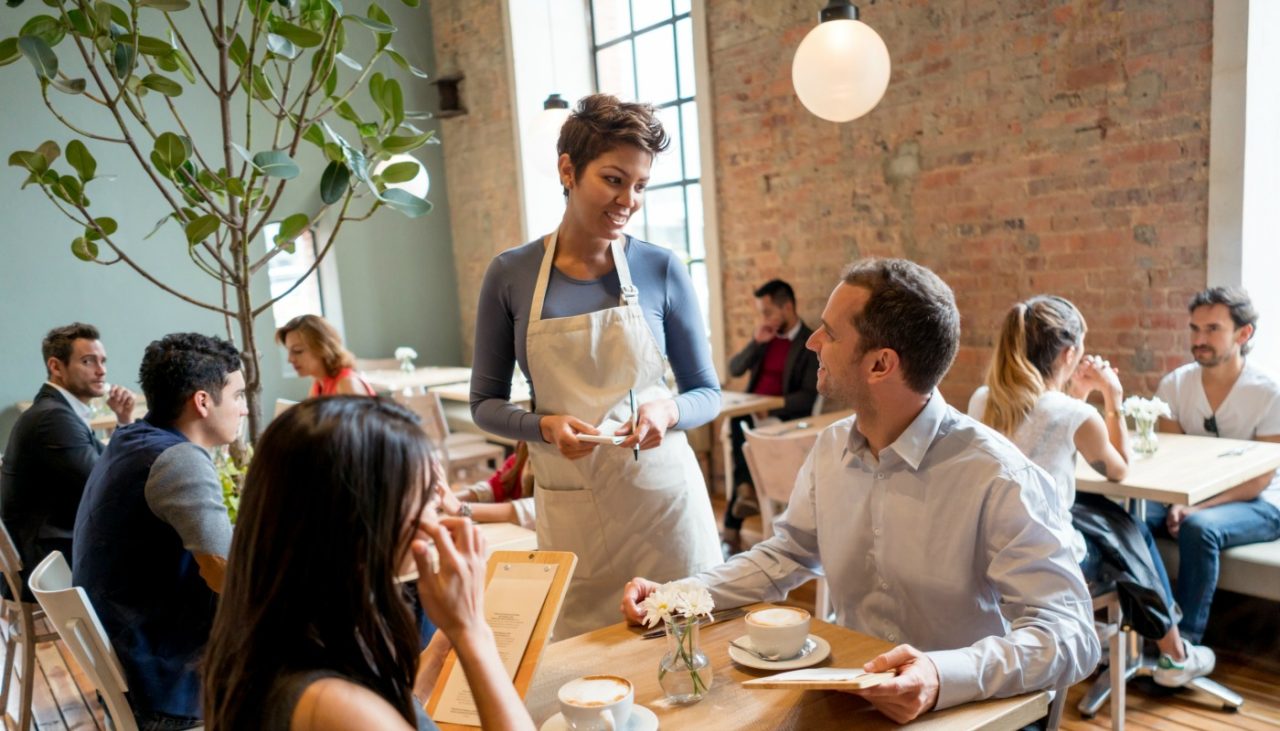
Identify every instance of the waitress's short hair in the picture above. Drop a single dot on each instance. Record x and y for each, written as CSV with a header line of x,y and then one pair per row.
x,y
603,122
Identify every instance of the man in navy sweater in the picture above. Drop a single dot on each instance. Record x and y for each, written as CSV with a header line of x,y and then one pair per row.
x,y
152,534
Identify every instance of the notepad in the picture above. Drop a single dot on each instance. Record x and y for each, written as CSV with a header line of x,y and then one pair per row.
x,y
606,435
821,679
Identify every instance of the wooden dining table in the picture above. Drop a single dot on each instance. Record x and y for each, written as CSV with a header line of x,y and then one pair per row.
x,y
619,650
733,404
427,377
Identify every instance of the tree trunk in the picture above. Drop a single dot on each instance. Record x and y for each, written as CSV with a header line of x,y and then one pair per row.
x,y
249,357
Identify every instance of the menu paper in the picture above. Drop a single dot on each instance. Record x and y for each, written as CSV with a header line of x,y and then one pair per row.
x,y
816,678
512,602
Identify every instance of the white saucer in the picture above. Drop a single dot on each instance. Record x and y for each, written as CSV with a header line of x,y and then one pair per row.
x,y
642,719
821,650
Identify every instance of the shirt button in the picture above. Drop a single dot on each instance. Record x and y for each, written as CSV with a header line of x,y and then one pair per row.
x,y
892,637
884,585
875,531
879,475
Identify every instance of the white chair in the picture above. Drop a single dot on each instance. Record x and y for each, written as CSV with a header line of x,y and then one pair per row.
x,y
71,614
1111,682
462,452
775,477
19,629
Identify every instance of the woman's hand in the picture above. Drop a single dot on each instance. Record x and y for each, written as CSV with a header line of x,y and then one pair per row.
x,y
452,593
1096,374
563,431
653,419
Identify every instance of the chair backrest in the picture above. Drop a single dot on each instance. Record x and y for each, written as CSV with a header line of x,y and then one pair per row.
x,y
10,563
283,405
427,406
774,461
72,616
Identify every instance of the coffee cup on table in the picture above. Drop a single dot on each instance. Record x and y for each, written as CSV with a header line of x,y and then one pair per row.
x,y
597,703
778,632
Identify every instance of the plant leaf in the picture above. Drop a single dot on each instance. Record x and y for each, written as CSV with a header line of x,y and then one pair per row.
x,y
9,51
183,65
238,52
79,158
248,156
290,229
162,84
302,36
350,62
405,202
393,101
125,56
68,86
84,249
334,182
158,226
80,23
172,149
108,226
168,6
405,143
262,88
49,150
277,164
314,135
46,28
235,186
201,228
401,172
33,162
281,46
336,5
152,46
372,25
40,55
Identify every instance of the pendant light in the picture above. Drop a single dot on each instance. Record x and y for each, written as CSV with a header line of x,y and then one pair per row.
x,y
841,68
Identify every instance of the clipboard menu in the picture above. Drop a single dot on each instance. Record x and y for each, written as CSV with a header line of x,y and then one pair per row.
x,y
523,595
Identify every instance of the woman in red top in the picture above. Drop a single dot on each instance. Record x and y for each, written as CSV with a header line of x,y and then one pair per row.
x,y
315,349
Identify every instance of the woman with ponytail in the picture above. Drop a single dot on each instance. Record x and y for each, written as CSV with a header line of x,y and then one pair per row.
x,y
1035,395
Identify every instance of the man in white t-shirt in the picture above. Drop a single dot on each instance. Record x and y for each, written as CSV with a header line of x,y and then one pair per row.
x,y
1224,395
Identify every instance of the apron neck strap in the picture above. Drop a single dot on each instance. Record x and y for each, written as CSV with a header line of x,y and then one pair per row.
x,y
630,295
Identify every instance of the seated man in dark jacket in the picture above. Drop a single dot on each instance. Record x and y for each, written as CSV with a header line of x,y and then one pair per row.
x,y
152,534
52,449
780,365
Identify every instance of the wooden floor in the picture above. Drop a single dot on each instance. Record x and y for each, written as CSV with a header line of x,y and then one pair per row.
x,y
64,698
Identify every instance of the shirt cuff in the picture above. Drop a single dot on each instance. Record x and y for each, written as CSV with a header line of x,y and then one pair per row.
x,y
956,681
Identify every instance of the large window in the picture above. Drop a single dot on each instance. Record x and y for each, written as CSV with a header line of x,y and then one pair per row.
x,y
316,295
643,51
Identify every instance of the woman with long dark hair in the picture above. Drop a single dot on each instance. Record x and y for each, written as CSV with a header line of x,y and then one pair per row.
x,y
313,631
1035,391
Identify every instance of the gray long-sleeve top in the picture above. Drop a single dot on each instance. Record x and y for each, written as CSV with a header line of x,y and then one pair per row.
x,y
502,323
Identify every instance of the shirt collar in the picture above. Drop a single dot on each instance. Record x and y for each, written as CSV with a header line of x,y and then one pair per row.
x,y
82,410
793,332
912,444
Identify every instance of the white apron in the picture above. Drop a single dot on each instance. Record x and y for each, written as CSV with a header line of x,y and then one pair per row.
x,y
622,518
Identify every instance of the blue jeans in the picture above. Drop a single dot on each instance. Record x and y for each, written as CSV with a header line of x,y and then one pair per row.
x,y
1201,539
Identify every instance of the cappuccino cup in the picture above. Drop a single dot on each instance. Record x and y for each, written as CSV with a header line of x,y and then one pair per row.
x,y
597,703
778,631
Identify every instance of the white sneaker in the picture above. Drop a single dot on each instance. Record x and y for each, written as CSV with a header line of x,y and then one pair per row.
x,y
1198,663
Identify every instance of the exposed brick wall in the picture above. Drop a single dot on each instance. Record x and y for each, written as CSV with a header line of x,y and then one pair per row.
x,y
1022,147
479,147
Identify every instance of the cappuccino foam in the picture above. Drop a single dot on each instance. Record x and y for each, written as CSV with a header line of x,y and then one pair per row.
x,y
777,617
595,690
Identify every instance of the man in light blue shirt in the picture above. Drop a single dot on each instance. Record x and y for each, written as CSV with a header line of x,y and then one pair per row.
x,y
932,530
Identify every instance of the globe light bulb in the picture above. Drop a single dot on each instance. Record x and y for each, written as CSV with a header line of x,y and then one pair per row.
x,y
841,69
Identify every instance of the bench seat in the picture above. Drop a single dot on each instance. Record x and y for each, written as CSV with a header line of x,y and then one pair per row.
x,y
1253,569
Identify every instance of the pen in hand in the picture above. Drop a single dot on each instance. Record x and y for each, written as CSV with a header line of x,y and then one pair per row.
x,y
631,394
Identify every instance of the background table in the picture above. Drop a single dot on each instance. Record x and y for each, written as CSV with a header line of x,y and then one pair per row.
x,y
105,421
733,404
619,650
1185,470
420,378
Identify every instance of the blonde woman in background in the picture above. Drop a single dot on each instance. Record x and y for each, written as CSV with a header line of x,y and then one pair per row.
x,y
315,350
1036,386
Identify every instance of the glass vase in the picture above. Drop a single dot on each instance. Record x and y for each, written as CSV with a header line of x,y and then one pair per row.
x,y
1145,441
406,365
685,672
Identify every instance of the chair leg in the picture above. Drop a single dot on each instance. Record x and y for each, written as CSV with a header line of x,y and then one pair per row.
x,y
10,642
1230,699
1119,664
28,668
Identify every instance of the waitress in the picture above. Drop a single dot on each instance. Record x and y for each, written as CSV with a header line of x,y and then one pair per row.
x,y
592,315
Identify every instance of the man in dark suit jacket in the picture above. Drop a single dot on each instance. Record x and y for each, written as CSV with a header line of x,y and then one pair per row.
x,y
780,365
52,449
